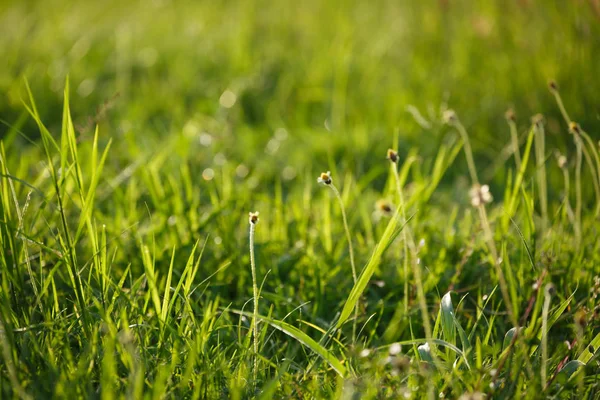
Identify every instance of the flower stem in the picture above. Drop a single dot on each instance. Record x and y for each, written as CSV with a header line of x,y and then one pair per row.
x,y
348,237
492,247
515,143
541,173
255,294
561,106
350,250
468,152
409,242
545,311
567,191
578,201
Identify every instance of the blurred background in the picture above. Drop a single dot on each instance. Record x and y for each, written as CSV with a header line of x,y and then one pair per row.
x,y
333,78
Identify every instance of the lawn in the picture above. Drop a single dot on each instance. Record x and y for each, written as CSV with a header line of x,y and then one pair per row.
x,y
316,199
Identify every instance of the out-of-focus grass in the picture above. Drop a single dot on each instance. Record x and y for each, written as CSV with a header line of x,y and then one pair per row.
x,y
130,274
354,64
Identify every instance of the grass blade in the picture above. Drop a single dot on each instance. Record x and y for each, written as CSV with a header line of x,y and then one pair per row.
x,y
386,240
303,338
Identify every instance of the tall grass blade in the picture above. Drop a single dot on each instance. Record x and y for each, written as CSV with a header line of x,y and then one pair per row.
x,y
384,243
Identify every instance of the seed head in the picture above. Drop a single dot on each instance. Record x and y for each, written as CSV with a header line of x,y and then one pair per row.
x,y
392,155
384,207
510,115
480,195
553,86
325,178
537,119
253,217
574,128
449,117
549,289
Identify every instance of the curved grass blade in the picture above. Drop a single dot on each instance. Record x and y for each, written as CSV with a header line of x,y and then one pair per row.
x,y
390,233
303,338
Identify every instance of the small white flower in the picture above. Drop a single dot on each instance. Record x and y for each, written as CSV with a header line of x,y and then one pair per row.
x,y
325,178
480,195
395,349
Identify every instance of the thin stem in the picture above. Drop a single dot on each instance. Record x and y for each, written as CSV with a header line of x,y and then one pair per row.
x,y
486,224
408,239
404,232
578,162
545,311
541,173
468,152
590,143
350,250
561,106
567,191
348,237
515,143
588,160
492,247
578,202
255,294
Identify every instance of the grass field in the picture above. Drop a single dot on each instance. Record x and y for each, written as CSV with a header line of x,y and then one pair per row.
x,y
136,138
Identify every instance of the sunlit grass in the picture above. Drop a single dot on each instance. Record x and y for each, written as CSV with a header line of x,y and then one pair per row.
x,y
125,190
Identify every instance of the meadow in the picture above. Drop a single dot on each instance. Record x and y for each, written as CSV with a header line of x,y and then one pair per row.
x,y
318,199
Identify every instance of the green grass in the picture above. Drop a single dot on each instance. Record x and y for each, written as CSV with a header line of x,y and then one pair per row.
x,y
136,137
